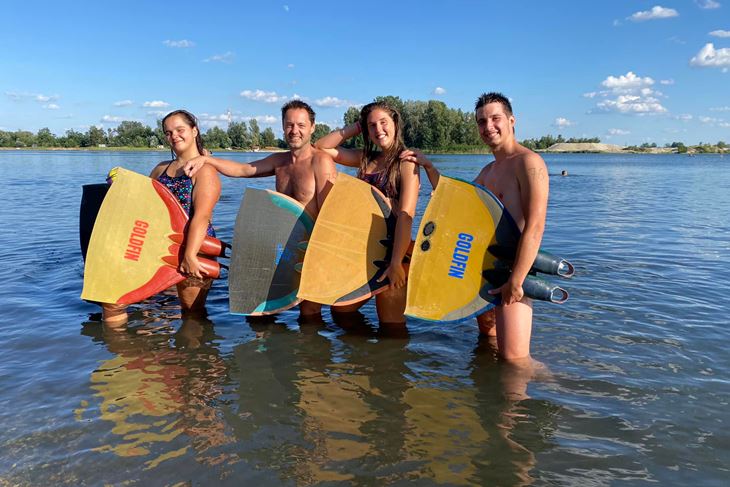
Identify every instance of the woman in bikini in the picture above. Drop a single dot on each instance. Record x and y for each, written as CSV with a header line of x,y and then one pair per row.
x,y
379,164
198,196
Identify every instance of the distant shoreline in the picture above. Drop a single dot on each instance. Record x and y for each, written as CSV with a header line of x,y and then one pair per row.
x,y
564,149
127,149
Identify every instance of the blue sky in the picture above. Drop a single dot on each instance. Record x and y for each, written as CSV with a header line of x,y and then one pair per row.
x,y
625,71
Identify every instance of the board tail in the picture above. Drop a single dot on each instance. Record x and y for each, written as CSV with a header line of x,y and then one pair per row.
x,y
545,262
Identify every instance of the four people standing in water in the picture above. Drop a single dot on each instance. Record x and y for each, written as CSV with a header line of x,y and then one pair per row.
x,y
517,176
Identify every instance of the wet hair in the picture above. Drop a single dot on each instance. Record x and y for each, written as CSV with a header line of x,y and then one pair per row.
x,y
297,104
494,97
390,154
192,122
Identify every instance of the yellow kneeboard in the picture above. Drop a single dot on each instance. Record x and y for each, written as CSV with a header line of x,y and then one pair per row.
x,y
348,249
136,243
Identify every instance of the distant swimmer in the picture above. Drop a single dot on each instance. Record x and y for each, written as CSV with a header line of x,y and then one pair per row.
x,y
519,178
564,172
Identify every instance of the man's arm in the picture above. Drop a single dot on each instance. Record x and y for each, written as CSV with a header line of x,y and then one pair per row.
x,y
261,168
532,177
325,174
330,144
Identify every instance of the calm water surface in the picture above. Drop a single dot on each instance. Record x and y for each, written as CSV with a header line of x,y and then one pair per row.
x,y
635,388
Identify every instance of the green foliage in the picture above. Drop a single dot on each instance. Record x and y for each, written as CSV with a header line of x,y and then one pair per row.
x,y
268,139
216,138
238,133
320,130
255,133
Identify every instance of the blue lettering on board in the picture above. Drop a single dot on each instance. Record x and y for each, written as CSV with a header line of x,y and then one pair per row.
x,y
460,255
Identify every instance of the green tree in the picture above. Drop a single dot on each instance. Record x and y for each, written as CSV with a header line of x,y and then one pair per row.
x,y
255,133
133,134
96,136
268,139
238,133
351,116
75,139
320,130
216,137
23,138
44,138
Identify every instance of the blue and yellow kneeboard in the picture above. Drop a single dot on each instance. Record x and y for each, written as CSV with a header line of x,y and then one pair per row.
x,y
268,249
463,249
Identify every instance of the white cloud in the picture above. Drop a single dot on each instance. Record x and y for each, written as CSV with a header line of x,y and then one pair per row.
x,y
51,106
332,101
628,94
629,104
111,119
656,12
183,43
707,4
710,120
155,104
439,91
157,113
123,103
286,8
626,81
561,122
720,33
46,98
290,66
709,57
618,132
267,119
685,117
265,96
720,109
666,82
227,58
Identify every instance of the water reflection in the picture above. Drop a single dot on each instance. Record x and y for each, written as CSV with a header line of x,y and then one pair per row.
x,y
159,389
349,402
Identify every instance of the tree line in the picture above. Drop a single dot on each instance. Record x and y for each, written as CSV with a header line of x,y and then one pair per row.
x,y
239,135
428,125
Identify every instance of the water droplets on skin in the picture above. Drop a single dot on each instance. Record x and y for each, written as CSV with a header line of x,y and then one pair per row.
x,y
634,388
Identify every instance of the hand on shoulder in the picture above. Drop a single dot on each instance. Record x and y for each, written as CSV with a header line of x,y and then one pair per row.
x,y
194,165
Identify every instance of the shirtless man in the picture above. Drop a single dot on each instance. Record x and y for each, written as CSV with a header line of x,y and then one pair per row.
x,y
304,173
519,178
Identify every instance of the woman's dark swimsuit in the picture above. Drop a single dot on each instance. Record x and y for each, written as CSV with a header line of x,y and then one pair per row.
x,y
182,188
376,179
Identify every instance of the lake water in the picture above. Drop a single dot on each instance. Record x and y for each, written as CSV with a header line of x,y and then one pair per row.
x,y
636,389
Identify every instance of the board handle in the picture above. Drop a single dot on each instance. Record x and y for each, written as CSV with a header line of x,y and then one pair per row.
x,y
211,246
533,287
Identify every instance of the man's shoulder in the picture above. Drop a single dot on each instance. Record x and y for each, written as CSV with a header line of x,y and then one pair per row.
x,y
322,158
